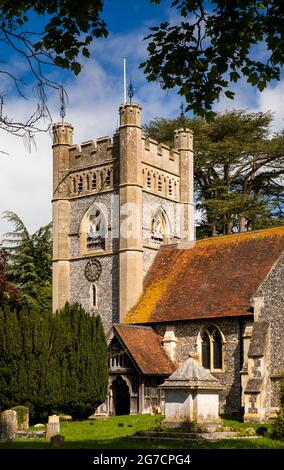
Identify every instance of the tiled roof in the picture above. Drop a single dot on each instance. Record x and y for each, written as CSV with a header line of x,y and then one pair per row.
x,y
215,278
144,345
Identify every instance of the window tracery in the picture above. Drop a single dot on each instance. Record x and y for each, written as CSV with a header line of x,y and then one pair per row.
x,y
210,345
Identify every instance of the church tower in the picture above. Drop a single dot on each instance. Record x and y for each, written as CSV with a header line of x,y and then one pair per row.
x,y
115,203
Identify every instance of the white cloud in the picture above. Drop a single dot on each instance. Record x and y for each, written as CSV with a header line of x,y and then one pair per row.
x,y
247,97
94,98
272,98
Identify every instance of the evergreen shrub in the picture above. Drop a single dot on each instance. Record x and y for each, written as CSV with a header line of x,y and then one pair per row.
x,y
52,362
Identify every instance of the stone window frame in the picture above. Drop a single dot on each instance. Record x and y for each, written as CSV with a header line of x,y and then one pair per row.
x,y
210,329
84,226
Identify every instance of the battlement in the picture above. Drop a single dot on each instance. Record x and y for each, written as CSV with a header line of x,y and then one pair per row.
x,y
160,155
91,153
62,133
183,139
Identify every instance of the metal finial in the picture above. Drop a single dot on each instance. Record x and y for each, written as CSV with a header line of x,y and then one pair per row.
x,y
182,117
62,97
1,105
130,90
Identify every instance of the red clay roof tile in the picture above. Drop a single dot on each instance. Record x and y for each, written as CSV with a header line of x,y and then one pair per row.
x,y
144,345
215,278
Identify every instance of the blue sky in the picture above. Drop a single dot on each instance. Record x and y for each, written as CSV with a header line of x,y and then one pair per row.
x,y
94,97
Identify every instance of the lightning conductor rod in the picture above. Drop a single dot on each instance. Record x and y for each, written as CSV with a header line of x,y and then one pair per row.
x,y
124,79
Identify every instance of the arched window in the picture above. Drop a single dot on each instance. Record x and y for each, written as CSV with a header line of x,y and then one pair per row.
x,y
160,226
210,345
96,231
205,351
93,230
148,180
94,295
217,349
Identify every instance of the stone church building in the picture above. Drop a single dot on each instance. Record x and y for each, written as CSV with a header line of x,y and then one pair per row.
x,y
124,247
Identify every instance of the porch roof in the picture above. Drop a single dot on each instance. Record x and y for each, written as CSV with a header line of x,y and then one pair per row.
x,y
145,347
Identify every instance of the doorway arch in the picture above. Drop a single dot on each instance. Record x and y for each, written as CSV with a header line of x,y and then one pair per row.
x,y
121,396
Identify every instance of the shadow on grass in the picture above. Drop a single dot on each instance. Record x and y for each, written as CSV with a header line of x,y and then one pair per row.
x,y
126,443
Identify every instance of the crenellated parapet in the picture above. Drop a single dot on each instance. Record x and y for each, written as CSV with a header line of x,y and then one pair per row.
x,y
92,153
160,155
62,133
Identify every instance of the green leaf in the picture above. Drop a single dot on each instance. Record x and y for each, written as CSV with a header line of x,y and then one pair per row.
x,y
76,67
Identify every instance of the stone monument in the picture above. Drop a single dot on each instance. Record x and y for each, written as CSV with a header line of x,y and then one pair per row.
x,y
192,394
8,426
52,427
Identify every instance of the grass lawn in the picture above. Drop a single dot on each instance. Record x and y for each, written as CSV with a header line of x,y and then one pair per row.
x,y
114,432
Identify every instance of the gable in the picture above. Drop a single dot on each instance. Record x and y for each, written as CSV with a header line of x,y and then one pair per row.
x,y
144,346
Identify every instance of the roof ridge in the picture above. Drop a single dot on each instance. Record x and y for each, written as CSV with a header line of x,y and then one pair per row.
x,y
126,325
250,234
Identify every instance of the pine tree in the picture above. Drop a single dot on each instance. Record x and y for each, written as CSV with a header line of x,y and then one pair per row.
x,y
30,262
8,291
238,169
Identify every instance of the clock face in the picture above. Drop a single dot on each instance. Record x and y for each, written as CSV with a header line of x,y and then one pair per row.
x,y
93,270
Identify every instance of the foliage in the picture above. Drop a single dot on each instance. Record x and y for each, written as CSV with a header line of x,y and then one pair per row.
x,y
238,169
52,362
190,426
247,432
278,425
262,431
8,292
213,44
68,28
30,262
22,414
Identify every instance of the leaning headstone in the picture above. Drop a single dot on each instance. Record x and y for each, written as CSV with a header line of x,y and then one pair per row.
x,y
8,426
52,427
57,441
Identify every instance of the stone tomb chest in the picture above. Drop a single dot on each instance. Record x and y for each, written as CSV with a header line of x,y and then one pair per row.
x,y
192,394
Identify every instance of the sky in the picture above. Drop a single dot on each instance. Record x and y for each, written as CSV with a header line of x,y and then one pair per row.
x,y
93,101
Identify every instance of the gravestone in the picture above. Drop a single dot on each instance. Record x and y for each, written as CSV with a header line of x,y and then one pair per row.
x,y
52,427
57,441
8,426
23,417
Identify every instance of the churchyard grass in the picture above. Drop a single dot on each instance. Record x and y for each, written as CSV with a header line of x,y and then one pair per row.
x,y
115,432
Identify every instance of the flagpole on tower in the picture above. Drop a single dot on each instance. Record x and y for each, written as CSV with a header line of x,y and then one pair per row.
x,y
124,79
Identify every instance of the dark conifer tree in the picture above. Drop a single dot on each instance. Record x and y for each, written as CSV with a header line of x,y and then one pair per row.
x,y
52,362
